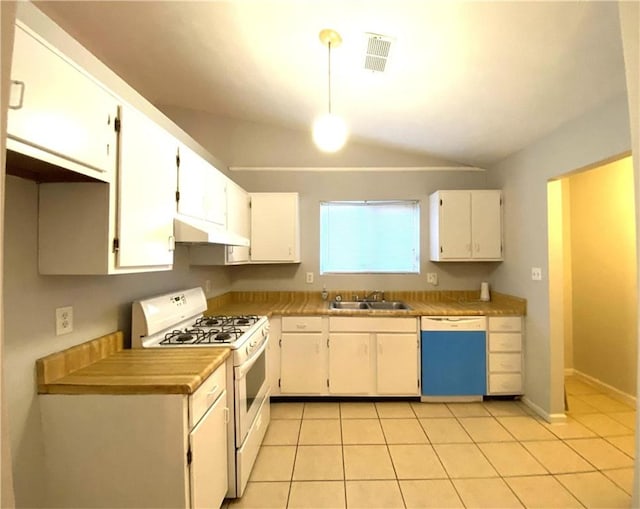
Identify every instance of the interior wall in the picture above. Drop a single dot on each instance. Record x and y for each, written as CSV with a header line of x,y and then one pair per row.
x,y
557,310
101,304
241,143
567,280
596,136
604,271
7,18
315,187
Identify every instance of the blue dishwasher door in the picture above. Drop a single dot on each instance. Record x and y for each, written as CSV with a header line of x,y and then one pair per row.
x,y
454,363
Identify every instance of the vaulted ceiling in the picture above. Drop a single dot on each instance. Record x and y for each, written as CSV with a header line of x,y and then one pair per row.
x,y
470,82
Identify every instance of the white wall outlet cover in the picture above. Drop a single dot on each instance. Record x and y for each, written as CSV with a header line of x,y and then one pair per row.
x,y
207,286
432,277
309,277
536,273
64,320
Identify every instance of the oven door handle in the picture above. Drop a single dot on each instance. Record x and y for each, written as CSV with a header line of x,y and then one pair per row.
x,y
242,370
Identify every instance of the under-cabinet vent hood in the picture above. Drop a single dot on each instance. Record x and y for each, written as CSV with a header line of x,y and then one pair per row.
x,y
196,231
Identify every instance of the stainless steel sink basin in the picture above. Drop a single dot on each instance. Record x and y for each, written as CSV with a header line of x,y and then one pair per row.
x,y
388,304
348,305
369,306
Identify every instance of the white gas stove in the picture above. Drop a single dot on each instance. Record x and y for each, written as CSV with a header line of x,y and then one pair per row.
x,y
176,320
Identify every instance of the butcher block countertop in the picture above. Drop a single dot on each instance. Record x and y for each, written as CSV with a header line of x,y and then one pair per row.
x,y
436,303
103,366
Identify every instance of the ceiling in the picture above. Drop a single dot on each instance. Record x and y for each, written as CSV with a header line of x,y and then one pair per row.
x,y
471,82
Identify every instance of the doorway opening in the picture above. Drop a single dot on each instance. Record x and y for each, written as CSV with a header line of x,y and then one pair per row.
x,y
593,294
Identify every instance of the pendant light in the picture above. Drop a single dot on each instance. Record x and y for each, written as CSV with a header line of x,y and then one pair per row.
x,y
329,130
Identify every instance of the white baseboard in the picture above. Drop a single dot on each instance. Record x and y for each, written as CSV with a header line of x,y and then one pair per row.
x,y
627,399
551,418
569,371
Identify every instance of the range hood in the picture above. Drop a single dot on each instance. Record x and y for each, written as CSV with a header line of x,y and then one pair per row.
x,y
196,231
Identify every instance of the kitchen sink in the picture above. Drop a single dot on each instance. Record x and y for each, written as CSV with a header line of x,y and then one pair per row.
x,y
369,306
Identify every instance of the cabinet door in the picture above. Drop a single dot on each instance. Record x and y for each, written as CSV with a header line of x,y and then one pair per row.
x,y
397,365
215,196
146,191
65,117
455,224
208,469
238,221
191,184
486,224
275,227
350,364
202,189
301,368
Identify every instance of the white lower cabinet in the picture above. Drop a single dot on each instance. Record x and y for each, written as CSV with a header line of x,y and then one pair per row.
x,y
303,353
396,369
144,450
301,367
350,363
347,356
504,355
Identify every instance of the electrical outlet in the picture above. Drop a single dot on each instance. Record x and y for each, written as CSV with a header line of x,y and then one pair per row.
x,y
309,278
64,320
536,273
432,277
207,286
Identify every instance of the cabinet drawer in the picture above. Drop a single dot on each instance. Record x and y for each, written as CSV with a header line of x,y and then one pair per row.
x,y
372,324
302,323
206,394
505,342
505,323
510,362
505,383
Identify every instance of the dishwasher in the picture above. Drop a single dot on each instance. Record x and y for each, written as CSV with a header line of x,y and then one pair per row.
x,y
454,358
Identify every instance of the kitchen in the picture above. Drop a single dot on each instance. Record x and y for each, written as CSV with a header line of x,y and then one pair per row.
x,y
102,304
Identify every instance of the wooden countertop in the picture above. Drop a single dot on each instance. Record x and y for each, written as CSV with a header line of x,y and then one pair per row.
x,y
439,303
103,366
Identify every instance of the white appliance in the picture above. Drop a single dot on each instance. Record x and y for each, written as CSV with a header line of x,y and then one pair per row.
x,y
176,320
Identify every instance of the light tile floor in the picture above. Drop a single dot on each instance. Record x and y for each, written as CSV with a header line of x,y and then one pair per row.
x,y
409,454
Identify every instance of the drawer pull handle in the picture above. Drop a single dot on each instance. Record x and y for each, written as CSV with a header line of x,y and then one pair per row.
x,y
301,326
226,415
214,390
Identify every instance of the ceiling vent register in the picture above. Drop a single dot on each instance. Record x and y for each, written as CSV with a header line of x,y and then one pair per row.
x,y
377,52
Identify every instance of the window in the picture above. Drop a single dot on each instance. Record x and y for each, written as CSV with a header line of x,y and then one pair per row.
x,y
370,236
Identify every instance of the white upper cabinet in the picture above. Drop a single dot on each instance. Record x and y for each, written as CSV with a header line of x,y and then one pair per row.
x,y
202,203
275,228
146,192
57,113
238,221
466,225
125,226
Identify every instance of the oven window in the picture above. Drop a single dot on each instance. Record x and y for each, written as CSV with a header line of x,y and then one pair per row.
x,y
255,379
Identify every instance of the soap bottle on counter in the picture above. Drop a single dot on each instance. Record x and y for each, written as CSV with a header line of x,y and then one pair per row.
x,y
325,293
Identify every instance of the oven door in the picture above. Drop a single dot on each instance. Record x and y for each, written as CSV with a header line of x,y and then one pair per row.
x,y
251,388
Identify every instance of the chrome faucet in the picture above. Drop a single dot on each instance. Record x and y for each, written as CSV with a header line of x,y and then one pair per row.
x,y
373,296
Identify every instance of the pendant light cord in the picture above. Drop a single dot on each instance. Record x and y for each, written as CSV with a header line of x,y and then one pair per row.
x,y
329,75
